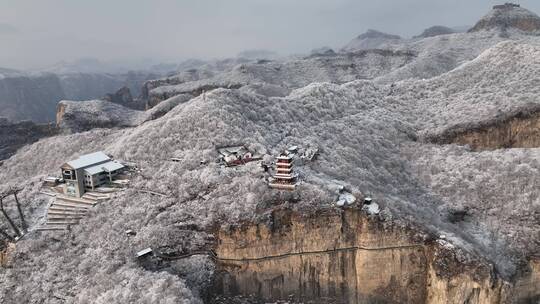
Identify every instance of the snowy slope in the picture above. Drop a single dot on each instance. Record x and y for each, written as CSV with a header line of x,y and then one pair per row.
x,y
371,115
368,137
440,54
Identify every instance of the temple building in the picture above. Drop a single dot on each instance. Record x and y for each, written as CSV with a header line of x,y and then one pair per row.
x,y
88,172
284,178
236,155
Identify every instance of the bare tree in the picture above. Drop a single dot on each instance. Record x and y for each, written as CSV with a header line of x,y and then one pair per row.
x,y
13,226
21,215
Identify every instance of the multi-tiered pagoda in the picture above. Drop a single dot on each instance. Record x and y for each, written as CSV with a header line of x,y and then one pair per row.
x,y
284,178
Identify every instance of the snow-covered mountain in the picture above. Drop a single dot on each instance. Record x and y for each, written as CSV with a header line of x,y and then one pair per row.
x,y
371,39
284,76
436,30
369,134
509,16
387,123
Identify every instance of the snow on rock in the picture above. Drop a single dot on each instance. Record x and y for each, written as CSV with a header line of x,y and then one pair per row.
x,y
79,116
372,209
293,74
371,39
508,16
440,54
402,59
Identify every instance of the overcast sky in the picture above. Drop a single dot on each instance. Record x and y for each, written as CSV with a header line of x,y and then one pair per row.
x,y
39,33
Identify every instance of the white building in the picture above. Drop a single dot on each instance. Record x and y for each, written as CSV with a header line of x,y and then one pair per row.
x,y
88,172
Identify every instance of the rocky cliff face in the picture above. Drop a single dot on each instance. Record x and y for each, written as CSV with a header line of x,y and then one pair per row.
x,y
509,16
123,97
348,257
516,130
186,76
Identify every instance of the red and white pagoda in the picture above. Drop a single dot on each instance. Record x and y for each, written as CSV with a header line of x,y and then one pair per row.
x,y
284,178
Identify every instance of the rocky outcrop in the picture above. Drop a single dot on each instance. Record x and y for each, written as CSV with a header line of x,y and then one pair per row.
x,y
509,16
348,257
195,88
152,99
79,116
6,249
436,30
16,135
520,129
122,96
60,112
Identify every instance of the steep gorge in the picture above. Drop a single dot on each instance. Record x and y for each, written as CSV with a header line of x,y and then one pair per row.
x,y
349,257
35,97
16,135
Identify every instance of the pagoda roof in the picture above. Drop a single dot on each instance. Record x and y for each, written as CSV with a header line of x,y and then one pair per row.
x,y
283,176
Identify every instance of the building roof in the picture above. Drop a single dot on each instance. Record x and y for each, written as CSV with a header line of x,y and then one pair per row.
x,y
144,252
105,167
283,176
88,160
232,150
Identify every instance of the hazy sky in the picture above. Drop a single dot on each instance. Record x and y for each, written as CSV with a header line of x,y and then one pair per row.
x,y
38,33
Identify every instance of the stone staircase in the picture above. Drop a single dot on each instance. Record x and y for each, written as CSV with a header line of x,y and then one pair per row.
x,y
67,211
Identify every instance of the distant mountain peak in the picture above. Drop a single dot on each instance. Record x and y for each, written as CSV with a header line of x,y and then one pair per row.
x,y
436,30
371,33
323,51
508,15
371,39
